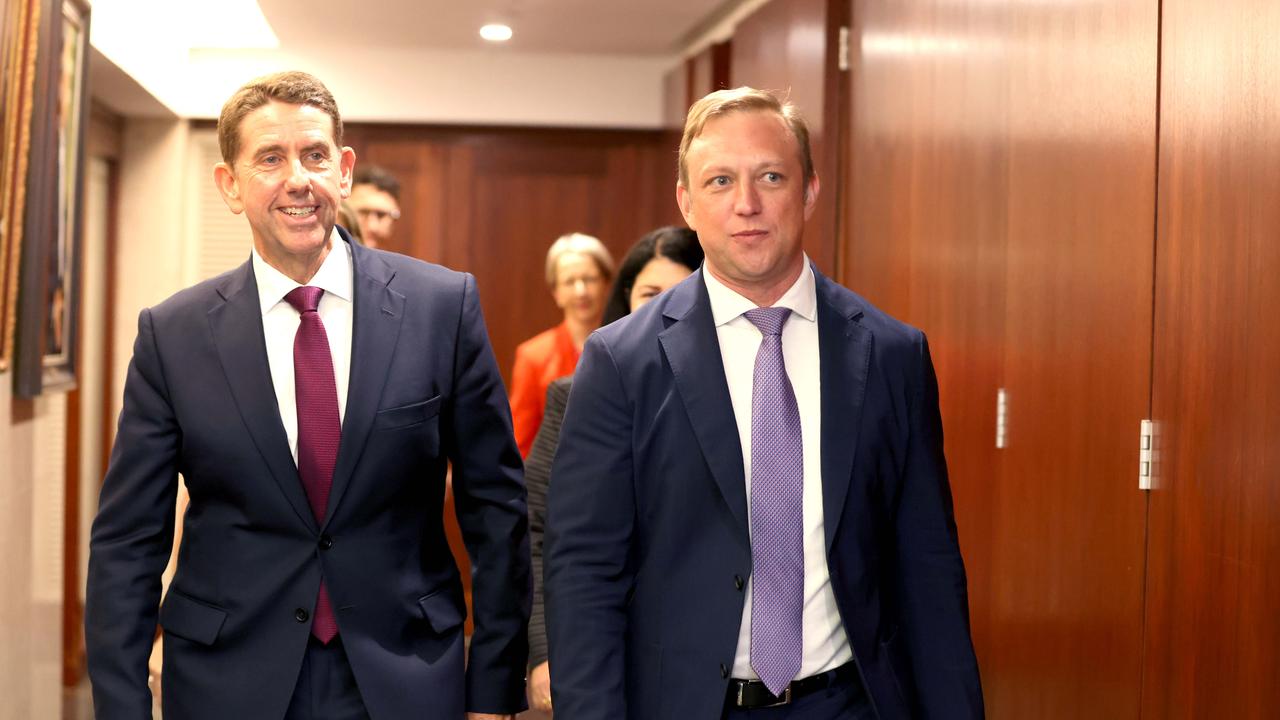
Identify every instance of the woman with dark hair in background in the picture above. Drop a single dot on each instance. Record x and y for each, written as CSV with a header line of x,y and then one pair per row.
x,y
659,260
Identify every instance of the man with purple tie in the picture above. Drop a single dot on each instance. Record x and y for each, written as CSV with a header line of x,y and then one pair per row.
x,y
311,400
749,513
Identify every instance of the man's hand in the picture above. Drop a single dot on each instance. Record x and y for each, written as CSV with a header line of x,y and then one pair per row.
x,y
489,716
540,687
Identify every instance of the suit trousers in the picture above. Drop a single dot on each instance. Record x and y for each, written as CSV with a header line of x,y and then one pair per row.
x,y
326,688
842,701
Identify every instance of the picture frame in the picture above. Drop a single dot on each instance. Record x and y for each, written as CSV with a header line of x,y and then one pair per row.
x,y
49,297
19,35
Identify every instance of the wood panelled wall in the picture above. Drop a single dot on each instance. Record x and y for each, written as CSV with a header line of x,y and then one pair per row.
x,y
1213,632
1001,193
490,201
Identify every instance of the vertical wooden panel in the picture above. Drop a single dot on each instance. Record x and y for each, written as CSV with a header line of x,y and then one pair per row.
x,y
791,48
1213,632
1069,547
421,167
709,70
1001,197
926,225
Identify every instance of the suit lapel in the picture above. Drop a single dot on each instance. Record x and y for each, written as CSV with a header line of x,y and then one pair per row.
x,y
693,351
236,323
844,351
375,328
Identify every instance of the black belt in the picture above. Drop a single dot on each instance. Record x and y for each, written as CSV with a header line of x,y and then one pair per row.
x,y
751,694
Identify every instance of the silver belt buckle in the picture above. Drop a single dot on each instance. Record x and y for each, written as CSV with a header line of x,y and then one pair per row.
x,y
785,699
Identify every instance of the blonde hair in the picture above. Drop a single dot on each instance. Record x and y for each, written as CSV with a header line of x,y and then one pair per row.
x,y
583,245
743,99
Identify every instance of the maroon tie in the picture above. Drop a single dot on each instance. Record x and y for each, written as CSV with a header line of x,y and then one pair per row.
x,y
319,425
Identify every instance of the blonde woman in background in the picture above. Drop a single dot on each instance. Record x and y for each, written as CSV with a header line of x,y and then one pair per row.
x,y
578,272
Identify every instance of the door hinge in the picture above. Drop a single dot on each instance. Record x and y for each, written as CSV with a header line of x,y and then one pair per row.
x,y
1145,455
1002,418
843,59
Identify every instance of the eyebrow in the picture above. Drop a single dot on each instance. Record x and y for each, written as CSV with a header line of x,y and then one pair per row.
x,y
715,170
278,148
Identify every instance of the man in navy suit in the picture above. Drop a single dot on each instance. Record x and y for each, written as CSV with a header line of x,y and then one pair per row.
x,y
311,399
749,509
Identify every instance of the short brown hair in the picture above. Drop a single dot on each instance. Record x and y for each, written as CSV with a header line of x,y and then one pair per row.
x,y
293,87
743,99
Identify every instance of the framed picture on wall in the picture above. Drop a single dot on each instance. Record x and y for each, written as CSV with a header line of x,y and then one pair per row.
x,y
49,297
19,26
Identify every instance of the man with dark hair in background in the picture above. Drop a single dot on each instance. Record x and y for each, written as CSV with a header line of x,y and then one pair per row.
x,y
375,196
311,399
751,516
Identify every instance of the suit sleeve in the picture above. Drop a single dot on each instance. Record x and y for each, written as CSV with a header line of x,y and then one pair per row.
x,y
590,523
537,477
132,538
934,600
489,498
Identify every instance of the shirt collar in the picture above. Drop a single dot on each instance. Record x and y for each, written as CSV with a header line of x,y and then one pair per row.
x,y
727,305
334,276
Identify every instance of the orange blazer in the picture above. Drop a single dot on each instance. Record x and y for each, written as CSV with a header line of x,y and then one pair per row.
x,y
539,360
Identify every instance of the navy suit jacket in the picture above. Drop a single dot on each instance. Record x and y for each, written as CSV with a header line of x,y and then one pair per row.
x,y
647,539
424,390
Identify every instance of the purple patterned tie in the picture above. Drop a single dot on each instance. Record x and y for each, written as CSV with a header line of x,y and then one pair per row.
x,y
319,425
777,512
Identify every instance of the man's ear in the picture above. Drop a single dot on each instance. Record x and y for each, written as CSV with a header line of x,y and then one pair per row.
x,y
228,187
686,205
811,189
347,168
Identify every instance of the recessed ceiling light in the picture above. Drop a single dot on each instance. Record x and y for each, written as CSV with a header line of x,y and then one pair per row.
x,y
495,33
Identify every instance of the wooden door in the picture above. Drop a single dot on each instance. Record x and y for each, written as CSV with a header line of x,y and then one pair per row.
x,y
1068,550
925,231
1001,197
1213,631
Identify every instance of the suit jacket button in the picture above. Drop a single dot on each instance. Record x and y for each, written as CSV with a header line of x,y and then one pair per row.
x,y
724,670
737,582
326,542
301,615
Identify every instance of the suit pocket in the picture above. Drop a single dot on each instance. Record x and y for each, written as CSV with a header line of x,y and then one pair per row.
x,y
443,609
191,619
407,415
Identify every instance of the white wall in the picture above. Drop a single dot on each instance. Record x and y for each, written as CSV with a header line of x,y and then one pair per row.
x,y
154,230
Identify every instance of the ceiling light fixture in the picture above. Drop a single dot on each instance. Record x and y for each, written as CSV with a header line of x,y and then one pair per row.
x,y
495,32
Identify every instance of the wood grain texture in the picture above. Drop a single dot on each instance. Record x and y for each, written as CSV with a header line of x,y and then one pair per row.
x,y
1069,551
925,231
1001,196
1213,633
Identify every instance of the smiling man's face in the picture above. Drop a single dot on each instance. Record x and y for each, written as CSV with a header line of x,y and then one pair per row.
x,y
288,180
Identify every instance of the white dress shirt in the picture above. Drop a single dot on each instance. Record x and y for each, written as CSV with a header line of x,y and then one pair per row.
x,y
825,645
280,324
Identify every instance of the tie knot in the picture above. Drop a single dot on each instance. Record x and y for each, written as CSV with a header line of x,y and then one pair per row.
x,y
768,320
305,298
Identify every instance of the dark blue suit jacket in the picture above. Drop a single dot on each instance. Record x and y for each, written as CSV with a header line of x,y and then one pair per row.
x,y
647,527
424,389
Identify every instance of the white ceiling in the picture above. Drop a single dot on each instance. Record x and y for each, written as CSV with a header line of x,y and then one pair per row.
x,y
597,63
613,27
